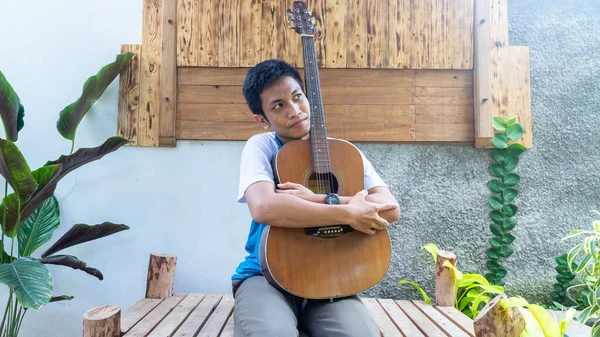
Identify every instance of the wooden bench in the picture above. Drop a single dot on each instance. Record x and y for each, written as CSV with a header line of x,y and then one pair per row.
x,y
166,314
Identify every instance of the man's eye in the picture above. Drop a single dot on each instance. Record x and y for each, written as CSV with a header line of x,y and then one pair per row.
x,y
298,96
277,106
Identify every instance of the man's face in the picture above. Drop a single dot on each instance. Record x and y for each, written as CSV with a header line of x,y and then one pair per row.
x,y
287,110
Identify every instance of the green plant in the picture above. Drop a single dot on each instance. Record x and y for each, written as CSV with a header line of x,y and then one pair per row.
x,y
506,157
587,271
30,213
473,292
564,279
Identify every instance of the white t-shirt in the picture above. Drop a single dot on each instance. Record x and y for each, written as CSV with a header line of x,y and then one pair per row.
x,y
256,164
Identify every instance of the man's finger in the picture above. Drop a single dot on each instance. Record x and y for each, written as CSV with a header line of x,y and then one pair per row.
x,y
386,207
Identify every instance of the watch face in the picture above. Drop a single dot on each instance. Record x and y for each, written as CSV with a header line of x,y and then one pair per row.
x,y
332,199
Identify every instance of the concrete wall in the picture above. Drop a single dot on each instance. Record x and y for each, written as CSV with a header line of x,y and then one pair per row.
x,y
182,201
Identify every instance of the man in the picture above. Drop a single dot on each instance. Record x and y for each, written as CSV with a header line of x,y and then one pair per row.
x,y
274,92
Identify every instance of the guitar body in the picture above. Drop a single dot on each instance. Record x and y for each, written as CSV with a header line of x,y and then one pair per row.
x,y
331,261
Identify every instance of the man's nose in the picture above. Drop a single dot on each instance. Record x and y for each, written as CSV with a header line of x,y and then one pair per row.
x,y
295,110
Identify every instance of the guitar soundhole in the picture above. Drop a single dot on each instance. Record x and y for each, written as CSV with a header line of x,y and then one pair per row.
x,y
322,183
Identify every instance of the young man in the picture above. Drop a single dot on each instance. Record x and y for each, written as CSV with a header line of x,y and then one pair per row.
x,y
273,91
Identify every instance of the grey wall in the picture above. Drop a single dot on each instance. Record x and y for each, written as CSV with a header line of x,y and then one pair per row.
x,y
442,189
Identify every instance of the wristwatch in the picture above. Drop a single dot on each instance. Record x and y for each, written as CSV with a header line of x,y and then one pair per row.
x,y
332,199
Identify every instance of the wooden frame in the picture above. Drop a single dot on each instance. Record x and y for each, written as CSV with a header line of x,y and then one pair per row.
x,y
194,55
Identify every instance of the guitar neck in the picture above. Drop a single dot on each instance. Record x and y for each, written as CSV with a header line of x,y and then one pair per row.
x,y
318,132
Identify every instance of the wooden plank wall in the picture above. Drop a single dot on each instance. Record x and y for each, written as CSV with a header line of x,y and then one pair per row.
x,y
396,34
360,104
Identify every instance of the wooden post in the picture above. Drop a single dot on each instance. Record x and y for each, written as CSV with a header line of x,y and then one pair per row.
x,y
103,321
161,276
495,321
445,281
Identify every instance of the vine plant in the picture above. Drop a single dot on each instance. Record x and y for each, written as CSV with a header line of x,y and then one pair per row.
x,y
506,158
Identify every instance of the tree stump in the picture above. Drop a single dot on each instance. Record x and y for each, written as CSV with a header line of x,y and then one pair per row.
x,y
161,276
445,281
496,321
103,321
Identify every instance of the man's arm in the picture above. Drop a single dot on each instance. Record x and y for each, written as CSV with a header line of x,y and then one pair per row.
x,y
283,210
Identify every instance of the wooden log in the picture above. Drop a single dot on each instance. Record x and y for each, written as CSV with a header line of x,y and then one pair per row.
x,y
445,281
495,321
102,321
161,276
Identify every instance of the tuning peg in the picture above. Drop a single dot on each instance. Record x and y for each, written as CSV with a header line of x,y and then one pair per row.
x,y
290,18
313,20
289,11
291,27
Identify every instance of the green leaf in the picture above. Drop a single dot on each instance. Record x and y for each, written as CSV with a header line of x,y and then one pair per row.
x,y
515,149
492,253
73,262
507,239
29,279
497,216
81,233
500,140
510,163
512,120
499,155
11,110
515,131
432,249
419,289
86,155
38,227
497,170
499,123
496,242
94,87
510,210
509,194
511,179
496,229
9,211
501,273
496,202
561,259
505,251
509,224
495,186
574,233
15,170
61,298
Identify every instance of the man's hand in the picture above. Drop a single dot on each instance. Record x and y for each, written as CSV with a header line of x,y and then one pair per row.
x,y
365,215
298,190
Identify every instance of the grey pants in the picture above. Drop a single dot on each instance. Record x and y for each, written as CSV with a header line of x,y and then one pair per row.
x,y
263,311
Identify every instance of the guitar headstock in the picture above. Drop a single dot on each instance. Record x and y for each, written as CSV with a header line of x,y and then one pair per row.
x,y
303,19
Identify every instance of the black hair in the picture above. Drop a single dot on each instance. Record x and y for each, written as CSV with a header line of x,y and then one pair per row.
x,y
262,76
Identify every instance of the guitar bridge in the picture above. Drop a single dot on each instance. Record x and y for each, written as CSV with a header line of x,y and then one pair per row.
x,y
328,232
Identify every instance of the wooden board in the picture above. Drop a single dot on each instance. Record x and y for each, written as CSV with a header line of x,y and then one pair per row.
x,y
129,96
428,34
168,76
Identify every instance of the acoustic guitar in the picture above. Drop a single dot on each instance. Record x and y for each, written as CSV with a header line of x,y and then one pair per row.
x,y
321,262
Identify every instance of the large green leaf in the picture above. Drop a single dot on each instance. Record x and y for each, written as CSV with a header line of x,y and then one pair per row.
x,y
515,131
515,149
499,155
511,179
419,289
11,110
510,162
497,216
86,155
9,214
496,202
497,170
93,89
500,140
495,186
39,226
81,233
29,279
15,170
73,262
509,194
499,123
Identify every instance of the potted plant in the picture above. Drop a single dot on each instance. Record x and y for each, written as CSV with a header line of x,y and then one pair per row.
x,y
29,212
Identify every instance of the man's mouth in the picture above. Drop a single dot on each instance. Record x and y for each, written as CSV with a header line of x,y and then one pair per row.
x,y
298,123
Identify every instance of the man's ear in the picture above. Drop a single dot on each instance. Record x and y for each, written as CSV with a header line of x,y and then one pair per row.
x,y
260,119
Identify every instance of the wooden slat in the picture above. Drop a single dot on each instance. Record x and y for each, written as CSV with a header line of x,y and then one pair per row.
x,y
228,39
335,34
189,130
377,33
217,320
168,75
450,133
228,329
406,326
356,34
498,10
198,317
136,312
129,96
459,319
439,45
318,8
366,78
444,78
460,34
422,321
148,323
150,63
270,47
399,52
209,33
250,42
443,96
444,114
289,42
482,74
440,320
420,23
186,40
519,89
386,326
177,316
